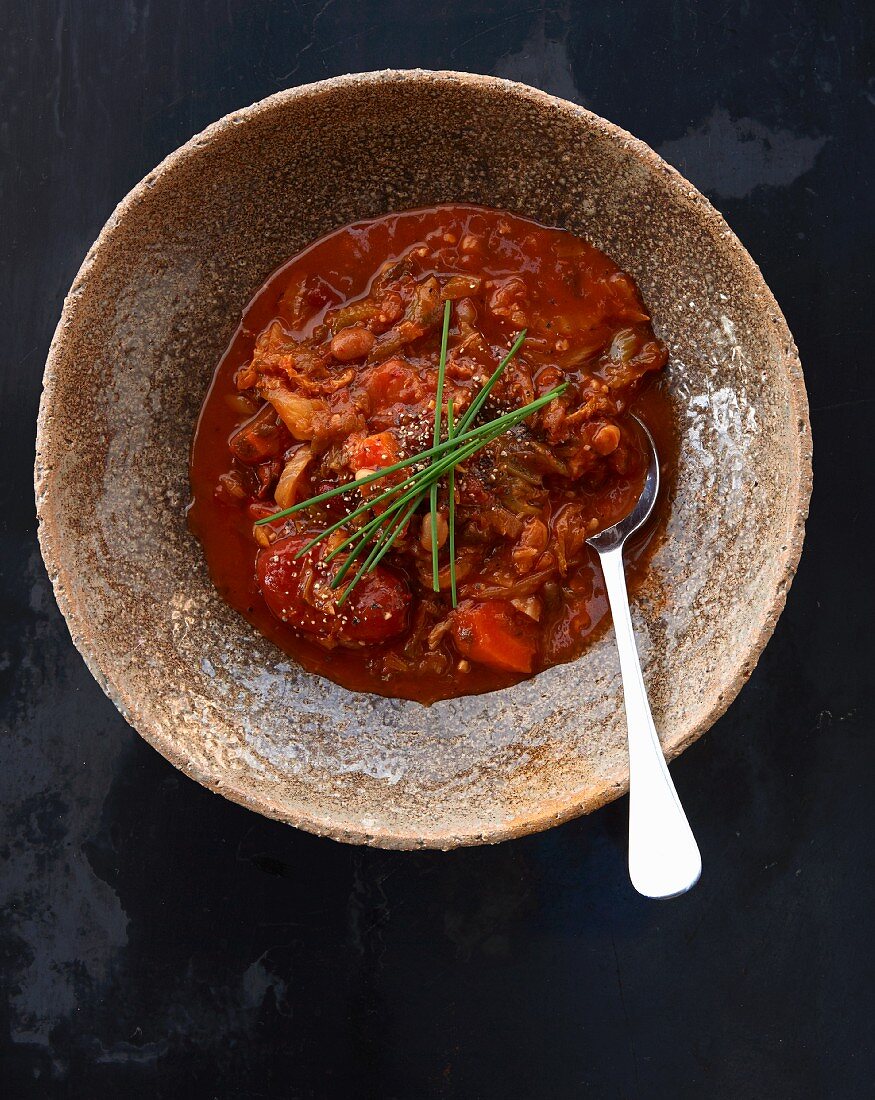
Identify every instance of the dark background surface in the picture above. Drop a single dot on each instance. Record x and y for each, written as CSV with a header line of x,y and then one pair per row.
x,y
161,942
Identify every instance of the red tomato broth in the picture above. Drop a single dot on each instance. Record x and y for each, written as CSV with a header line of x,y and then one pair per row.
x,y
568,309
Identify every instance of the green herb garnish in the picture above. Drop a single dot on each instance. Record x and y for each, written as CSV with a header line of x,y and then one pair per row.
x,y
451,490
438,401
378,534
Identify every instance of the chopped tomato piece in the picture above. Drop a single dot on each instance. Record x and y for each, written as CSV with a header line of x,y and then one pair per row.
x,y
298,592
393,383
262,437
374,451
495,633
371,453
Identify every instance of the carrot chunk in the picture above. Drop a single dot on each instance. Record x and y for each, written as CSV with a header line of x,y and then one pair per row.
x,y
494,633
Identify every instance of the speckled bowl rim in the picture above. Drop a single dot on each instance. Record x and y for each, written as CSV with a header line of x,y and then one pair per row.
x,y
558,810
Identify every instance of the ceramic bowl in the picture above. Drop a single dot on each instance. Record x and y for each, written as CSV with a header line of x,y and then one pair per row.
x,y
156,302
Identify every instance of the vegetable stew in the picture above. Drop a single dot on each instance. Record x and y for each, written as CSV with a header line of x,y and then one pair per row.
x,y
332,377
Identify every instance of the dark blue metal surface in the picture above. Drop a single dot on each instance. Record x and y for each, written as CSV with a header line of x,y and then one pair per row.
x,y
161,942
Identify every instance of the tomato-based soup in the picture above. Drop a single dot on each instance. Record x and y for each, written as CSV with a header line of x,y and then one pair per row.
x,y
333,376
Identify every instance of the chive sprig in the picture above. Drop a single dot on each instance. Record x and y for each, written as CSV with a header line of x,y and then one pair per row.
x,y
372,541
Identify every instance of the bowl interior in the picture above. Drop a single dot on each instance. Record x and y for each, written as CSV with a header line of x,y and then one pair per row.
x,y
155,304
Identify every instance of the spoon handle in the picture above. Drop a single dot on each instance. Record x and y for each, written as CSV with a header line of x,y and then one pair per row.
x,y
664,859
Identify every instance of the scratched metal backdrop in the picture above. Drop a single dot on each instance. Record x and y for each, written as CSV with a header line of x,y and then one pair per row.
x,y
160,942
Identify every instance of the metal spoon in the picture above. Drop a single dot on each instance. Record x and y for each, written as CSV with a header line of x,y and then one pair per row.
x,y
664,858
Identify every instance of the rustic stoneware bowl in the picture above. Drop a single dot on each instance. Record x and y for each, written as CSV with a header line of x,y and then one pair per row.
x,y
156,302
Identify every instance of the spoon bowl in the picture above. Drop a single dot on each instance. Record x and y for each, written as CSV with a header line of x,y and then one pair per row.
x,y
615,536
